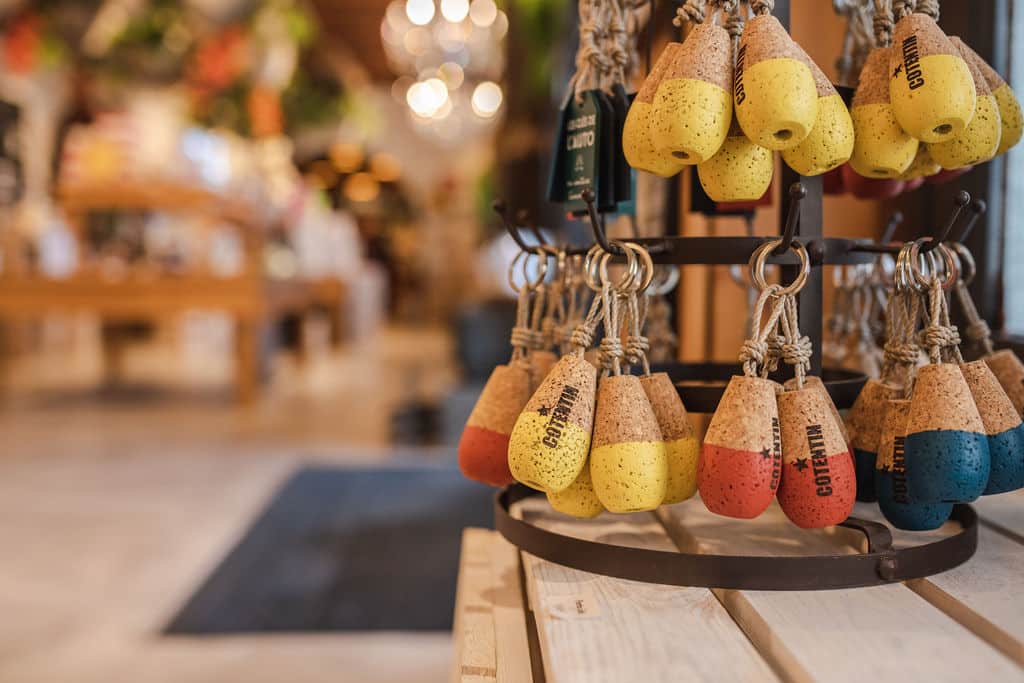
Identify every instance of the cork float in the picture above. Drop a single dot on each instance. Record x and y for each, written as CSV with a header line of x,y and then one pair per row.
x,y
980,139
930,85
1011,120
628,464
579,500
541,362
946,448
881,148
682,449
692,108
818,486
483,447
830,142
1002,427
550,440
814,382
923,166
891,476
774,92
1009,370
740,171
864,423
741,458
637,143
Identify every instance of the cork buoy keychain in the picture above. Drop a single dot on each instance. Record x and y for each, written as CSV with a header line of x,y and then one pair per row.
x,y
628,464
682,449
830,142
867,415
551,438
923,165
637,133
774,92
741,170
1002,422
741,457
881,147
930,85
542,355
817,486
1010,117
891,476
979,141
484,444
692,108
946,448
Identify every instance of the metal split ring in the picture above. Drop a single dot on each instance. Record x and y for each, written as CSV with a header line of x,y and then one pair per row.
x,y
759,259
916,259
542,270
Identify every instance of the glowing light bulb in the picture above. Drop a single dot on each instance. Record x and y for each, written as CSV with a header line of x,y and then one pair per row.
x,y
454,10
483,12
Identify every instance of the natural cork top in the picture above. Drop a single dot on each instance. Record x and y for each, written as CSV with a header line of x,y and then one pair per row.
x,y
764,38
668,407
650,85
920,32
996,410
569,387
942,400
992,77
745,415
623,412
804,415
706,55
873,86
506,392
894,424
981,87
867,412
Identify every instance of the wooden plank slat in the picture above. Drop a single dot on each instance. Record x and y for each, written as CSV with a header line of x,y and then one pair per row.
x,y
1005,513
475,655
979,594
884,633
595,629
513,648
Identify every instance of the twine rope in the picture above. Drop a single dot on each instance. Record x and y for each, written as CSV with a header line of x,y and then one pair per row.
x,y
796,348
659,330
611,344
901,351
637,345
977,330
903,8
762,7
929,8
692,11
522,337
583,336
755,349
883,22
940,337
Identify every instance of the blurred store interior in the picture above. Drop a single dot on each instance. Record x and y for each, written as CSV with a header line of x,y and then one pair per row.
x,y
251,284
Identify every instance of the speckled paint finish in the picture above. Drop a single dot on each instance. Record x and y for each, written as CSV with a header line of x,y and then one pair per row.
x,y
947,458
693,105
483,446
628,463
881,149
579,500
740,171
1002,426
682,449
818,486
930,85
891,480
1009,370
774,92
549,443
741,458
830,143
637,144
923,166
863,424
1009,107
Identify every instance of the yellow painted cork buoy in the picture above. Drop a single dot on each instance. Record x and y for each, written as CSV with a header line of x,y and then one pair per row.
x,y
980,139
579,500
1009,107
637,143
774,92
549,442
923,166
740,171
682,448
628,464
830,142
881,148
930,84
693,105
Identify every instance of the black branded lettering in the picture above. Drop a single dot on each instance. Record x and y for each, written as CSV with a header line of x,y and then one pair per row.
x,y
819,460
899,472
776,454
560,416
912,63
737,82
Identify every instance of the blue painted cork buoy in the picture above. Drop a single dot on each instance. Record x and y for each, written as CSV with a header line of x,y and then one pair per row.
x,y
864,424
947,456
891,477
1002,426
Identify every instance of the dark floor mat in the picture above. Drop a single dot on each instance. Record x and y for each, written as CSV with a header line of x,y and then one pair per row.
x,y
345,549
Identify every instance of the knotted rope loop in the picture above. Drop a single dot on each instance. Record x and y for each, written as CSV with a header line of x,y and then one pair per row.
x,y
762,7
693,11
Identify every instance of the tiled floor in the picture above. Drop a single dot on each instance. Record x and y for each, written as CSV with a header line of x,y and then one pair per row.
x,y
113,509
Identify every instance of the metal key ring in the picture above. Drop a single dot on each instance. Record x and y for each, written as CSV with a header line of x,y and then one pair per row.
x,y
595,268
902,277
663,287
759,259
542,270
965,262
646,267
947,260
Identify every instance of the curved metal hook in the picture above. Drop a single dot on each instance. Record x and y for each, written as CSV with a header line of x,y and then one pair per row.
x,y
978,208
890,227
501,208
796,193
597,223
961,200
523,217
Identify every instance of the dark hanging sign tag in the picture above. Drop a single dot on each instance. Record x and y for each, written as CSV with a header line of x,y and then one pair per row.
x,y
623,173
607,175
576,163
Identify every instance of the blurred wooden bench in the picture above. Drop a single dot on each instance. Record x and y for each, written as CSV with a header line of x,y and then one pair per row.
x,y
519,618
